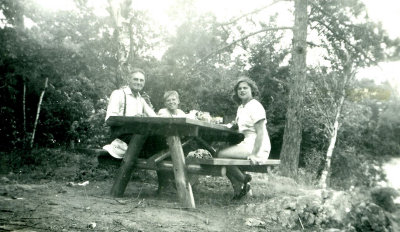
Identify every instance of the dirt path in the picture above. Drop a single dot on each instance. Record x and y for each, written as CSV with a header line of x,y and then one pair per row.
x,y
55,206
41,199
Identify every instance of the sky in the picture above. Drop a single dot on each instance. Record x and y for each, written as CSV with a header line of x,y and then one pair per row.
x,y
385,11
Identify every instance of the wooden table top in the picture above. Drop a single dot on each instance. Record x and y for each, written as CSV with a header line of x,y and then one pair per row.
x,y
171,126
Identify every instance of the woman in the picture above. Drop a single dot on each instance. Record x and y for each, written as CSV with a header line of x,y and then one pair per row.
x,y
251,121
171,100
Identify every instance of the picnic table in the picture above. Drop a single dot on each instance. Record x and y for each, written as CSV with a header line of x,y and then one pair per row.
x,y
173,129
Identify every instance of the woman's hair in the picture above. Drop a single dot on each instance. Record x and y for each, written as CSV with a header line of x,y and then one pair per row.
x,y
171,93
253,86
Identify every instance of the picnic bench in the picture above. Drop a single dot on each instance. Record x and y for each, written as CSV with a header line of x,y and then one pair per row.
x,y
173,129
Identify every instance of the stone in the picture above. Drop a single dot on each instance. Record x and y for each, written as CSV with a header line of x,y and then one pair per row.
x,y
368,216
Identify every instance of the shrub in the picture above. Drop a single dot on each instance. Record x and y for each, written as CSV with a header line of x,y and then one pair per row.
x,y
349,168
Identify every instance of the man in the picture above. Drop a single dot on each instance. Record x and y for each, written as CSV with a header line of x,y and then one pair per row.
x,y
127,101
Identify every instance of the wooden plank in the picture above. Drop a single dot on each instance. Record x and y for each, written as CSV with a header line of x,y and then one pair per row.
x,y
171,126
124,120
154,129
190,168
200,169
153,160
125,171
160,156
183,186
207,146
258,168
225,162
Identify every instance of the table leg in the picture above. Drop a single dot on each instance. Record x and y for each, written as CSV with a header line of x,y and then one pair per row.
x,y
178,160
125,171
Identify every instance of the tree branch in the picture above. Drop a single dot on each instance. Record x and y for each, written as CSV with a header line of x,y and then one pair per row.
x,y
235,42
357,49
279,81
337,35
250,13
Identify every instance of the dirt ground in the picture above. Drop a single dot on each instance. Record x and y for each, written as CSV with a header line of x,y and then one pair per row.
x,y
48,205
64,191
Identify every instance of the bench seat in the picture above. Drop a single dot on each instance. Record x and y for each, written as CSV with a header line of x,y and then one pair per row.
x,y
227,162
210,167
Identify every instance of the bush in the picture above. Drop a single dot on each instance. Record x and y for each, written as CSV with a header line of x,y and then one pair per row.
x,y
349,168
314,161
367,216
384,198
56,164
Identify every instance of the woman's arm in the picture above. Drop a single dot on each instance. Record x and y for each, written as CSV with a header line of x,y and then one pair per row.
x,y
259,127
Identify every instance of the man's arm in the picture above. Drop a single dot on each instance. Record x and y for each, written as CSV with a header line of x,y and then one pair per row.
x,y
113,108
146,97
148,111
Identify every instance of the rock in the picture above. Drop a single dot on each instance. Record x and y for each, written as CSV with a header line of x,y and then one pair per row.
x,y
332,230
24,187
288,218
337,205
254,222
130,224
5,180
309,219
368,216
92,225
384,198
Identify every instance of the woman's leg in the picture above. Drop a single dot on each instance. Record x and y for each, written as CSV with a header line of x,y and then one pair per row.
x,y
235,152
236,184
234,174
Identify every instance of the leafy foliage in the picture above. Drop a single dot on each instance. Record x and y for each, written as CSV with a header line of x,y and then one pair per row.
x,y
78,51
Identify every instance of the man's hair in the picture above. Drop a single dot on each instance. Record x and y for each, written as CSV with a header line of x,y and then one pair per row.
x,y
127,71
253,86
171,93
136,70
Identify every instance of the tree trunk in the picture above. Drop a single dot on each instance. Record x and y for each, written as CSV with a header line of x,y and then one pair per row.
x,y
38,112
292,136
120,10
24,114
325,172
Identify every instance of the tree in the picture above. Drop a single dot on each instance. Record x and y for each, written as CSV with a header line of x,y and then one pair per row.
x,y
292,135
63,47
350,46
338,34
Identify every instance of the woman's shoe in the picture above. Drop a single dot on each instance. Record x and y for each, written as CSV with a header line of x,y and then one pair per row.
x,y
235,197
247,179
245,188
